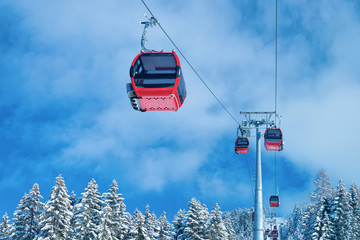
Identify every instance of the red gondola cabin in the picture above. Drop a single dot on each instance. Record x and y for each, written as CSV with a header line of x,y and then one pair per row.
x,y
275,233
242,145
157,82
273,139
274,201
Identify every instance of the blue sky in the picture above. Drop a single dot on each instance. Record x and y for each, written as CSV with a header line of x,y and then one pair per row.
x,y
64,108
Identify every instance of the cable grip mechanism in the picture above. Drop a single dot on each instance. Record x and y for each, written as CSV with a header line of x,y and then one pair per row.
x,y
150,23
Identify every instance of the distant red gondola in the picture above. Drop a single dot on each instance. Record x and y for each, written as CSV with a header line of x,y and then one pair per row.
x,y
157,82
274,201
275,233
273,139
242,145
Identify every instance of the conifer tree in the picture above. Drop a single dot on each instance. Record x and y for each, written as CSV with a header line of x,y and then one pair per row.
x,y
138,230
235,220
73,200
57,215
26,222
151,224
341,214
105,228
326,228
75,221
165,232
321,222
127,222
323,187
308,221
317,224
229,229
88,216
179,224
205,216
241,220
355,208
114,201
18,222
5,228
196,221
74,209
216,227
287,228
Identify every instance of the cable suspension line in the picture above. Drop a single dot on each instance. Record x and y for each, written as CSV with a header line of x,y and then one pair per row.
x,y
276,189
252,189
276,65
194,70
202,80
276,49
276,69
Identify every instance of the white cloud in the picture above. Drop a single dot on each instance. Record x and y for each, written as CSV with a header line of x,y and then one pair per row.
x,y
238,66
320,116
322,131
222,190
83,51
155,168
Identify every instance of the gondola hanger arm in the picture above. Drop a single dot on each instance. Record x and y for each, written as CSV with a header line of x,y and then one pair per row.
x,y
150,23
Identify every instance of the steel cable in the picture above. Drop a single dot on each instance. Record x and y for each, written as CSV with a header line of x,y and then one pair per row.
x,y
191,66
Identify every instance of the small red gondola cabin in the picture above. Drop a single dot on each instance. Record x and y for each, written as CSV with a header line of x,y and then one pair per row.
x,y
242,145
273,139
274,201
275,233
157,82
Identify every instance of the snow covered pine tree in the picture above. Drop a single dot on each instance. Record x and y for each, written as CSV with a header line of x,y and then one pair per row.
x,y
55,221
26,222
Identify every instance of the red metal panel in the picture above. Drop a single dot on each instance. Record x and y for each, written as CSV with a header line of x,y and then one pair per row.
x,y
242,150
274,234
159,103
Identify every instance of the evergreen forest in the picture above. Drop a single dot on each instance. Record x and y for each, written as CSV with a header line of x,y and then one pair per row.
x,y
331,213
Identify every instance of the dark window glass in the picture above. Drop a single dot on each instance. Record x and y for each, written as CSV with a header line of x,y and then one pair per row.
x,y
138,66
274,199
242,143
152,62
182,89
155,71
155,83
273,134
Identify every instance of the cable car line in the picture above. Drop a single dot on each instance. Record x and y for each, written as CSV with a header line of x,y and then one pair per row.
x,y
194,70
276,66
242,147
276,47
272,136
274,199
154,20
276,189
248,167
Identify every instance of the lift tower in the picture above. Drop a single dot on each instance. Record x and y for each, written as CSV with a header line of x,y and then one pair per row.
x,y
258,120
